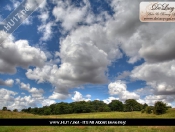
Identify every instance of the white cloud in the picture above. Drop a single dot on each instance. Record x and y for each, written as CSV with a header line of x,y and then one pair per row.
x,y
6,95
46,29
85,55
138,39
8,82
8,7
25,86
48,102
109,100
88,96
144,91
151,99
28,21
44,16
119,88
10,99
158,75
22,102
17,80
58,96
19,54
36,93
69,14
79,97
15,3
123,75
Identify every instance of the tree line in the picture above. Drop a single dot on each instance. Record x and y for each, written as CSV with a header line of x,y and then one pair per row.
x,y
97,106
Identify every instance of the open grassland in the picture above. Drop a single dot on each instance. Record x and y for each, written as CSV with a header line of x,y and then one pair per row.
x,y
170,114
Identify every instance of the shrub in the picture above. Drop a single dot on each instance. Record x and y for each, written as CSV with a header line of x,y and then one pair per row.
x,y
160,108
4,108
143,110
148,110
15,110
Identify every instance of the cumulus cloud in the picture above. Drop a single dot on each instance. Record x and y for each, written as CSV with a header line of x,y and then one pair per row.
x,y
36,93
46,29
68,14
28,21
17,80
85,55
19,54
158,75
7,95
79,97
47,102
12,100
151,99
60,96
138,36
109,100
15,3
154,42
25,86
8,7
123,75
119,88
8,82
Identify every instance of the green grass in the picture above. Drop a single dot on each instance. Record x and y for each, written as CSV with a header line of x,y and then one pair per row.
x,y
170,114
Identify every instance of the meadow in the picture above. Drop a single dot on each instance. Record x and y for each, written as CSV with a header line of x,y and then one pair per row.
x,y
7,114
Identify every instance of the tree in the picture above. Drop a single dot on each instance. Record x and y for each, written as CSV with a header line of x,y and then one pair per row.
x,y
15,110
160,108
47,110
132,105
116,105
4,108
143,110
144,106
148,110
97,106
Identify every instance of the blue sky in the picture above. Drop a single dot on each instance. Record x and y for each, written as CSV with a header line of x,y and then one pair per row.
x,y
76,50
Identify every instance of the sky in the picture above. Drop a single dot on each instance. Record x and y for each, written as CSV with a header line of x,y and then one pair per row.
x,y
75,50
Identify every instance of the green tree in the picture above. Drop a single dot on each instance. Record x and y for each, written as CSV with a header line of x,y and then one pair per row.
x,y
97,105
159,108
132,105
143,110
4,108
116,105
15,110
144,106
148,110
47,110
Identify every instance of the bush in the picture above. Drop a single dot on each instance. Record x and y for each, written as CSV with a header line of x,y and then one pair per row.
x,y
160,108
142,111
4,108
148,110
15,110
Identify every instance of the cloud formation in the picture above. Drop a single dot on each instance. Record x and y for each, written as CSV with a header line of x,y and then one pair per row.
x,y
79,97
19,54
119,88
8,82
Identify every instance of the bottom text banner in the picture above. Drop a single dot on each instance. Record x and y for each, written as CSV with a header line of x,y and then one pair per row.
x,y
87,122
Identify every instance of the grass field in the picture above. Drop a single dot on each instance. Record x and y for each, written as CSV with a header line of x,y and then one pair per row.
x,y
170,114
